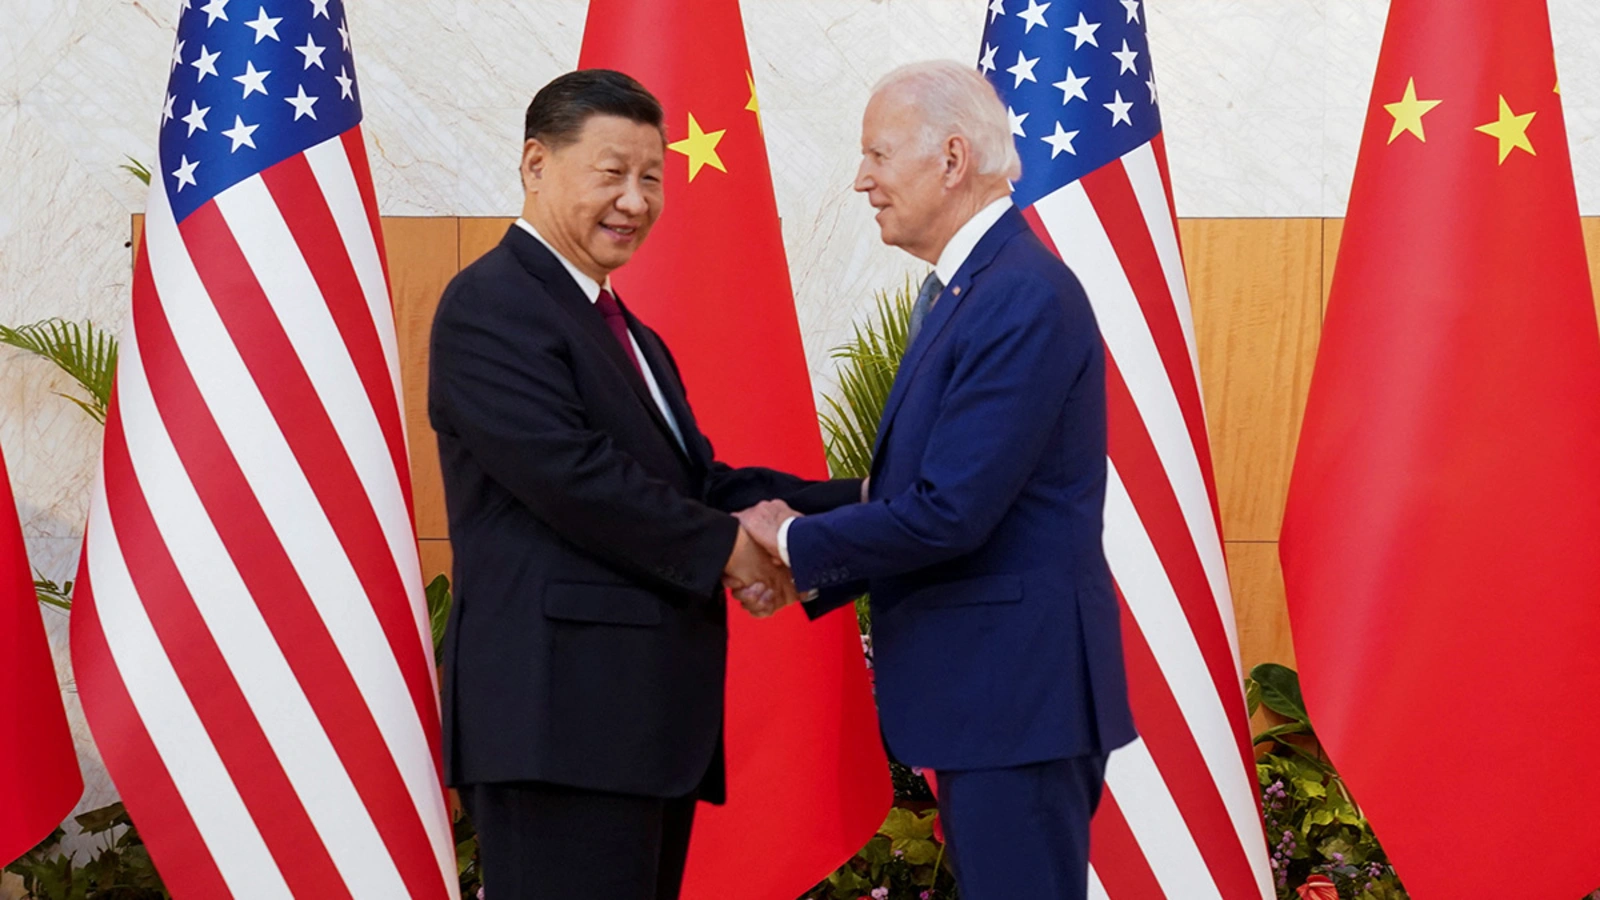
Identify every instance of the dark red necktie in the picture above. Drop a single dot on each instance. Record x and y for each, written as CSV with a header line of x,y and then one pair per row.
x,y
618,325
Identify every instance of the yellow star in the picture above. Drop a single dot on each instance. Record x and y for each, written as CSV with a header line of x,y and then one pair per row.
x,y
701,148
1408,113
1511,129
755,105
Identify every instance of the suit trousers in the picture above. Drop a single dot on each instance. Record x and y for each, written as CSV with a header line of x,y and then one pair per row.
x,y
539,841
1021,833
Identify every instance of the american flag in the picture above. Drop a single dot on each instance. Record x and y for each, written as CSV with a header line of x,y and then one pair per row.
x,y
1180,818
250,636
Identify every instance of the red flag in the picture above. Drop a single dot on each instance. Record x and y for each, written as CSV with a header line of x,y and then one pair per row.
x,y
807,781
1442,541
39,778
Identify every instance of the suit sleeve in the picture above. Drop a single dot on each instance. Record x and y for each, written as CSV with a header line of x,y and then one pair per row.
x,y
732,489
506,390
1011,378
735,489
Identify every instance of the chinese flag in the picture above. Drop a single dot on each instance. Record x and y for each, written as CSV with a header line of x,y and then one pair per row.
x,y
1441,545
39,780
807,780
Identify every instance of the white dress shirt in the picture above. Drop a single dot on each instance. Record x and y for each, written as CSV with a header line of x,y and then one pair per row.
x,y
951,259
591,289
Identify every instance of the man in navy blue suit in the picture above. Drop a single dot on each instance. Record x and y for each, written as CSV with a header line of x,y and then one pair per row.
x,y
995,623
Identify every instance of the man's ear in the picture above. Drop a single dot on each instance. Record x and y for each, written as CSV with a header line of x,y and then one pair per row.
x,y
957,159
535,155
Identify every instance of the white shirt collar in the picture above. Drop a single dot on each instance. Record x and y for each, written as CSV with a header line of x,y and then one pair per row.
x,y
590,287
967,237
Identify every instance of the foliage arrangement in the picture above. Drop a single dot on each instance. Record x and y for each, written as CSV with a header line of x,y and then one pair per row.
x,y
868,363
903,861
120,869
1319,839
86,352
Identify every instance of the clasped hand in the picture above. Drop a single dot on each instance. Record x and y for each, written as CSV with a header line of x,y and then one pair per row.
x,y
755,571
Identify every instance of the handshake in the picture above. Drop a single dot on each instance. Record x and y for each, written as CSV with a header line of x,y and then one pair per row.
x,y
756,572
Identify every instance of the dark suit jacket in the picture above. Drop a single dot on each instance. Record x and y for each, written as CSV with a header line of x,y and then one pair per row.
x,y
587,644
995,623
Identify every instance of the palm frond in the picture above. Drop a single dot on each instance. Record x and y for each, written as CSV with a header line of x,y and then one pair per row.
x,y
86,352
868,362
137,169
52,594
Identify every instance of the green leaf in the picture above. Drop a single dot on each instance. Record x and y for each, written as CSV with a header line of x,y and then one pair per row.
x,y
105,818
903,824
878,851
51,594
85,352
918,852
1277,731
439,600
1252,696
137,169
1280,691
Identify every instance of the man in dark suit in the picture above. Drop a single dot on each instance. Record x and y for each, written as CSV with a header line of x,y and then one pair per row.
x,y
995,623
585,656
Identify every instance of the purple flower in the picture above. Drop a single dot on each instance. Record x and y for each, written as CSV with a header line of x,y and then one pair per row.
x,y
880,893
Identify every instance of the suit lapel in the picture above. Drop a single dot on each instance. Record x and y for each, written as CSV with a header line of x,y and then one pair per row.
x,y
672,390
543,265
944,309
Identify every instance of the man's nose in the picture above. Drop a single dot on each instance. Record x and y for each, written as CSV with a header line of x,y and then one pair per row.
x,y
633,201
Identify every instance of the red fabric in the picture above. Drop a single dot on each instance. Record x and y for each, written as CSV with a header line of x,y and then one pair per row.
x,y
1441,545
619,326
39,780
807,781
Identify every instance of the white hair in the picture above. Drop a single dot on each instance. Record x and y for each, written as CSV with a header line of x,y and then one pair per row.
x,y
954,99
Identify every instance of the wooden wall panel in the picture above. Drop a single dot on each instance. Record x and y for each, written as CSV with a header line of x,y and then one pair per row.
x,y
1256,286
1591,239
1332,230
1263,621
479,236
436,558
422,260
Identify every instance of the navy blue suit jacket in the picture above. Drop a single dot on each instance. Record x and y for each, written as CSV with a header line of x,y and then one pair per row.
x,y
996,631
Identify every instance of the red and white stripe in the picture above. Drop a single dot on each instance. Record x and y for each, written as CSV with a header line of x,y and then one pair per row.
x,y
1181,817
251,639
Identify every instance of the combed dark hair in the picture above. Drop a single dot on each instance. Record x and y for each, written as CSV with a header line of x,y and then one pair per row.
x,y
558,111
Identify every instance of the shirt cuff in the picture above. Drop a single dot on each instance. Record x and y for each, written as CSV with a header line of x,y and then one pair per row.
x,y
783,540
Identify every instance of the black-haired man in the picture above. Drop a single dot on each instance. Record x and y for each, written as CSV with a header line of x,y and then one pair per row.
x,y
586,653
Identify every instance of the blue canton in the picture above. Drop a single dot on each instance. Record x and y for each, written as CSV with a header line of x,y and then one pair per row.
x,y
1076,80
253,83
